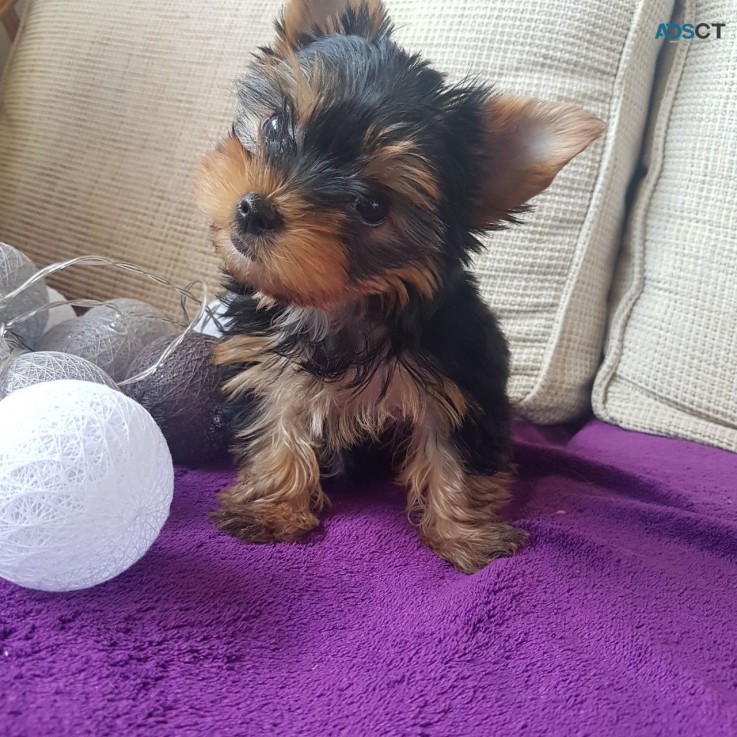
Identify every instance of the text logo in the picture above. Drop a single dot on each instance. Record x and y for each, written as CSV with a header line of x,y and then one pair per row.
x,y
689,31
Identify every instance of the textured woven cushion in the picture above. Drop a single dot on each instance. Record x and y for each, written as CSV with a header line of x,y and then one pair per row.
x,y
105,110
670,356
107,107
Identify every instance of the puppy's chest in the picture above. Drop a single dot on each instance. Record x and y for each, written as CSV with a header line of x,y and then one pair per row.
x,y
347,409
345,404
338,384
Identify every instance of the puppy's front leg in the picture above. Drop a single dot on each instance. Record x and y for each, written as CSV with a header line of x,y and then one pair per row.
x,y
456,509
277,494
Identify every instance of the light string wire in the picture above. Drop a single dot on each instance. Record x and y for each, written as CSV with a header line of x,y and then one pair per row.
x,y
185,293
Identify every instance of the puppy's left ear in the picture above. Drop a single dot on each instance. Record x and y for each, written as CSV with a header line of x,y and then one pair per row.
x,y
303,21
526,143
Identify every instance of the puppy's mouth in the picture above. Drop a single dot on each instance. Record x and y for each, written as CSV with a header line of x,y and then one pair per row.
x,y
295,260
250,246
258,262
247,256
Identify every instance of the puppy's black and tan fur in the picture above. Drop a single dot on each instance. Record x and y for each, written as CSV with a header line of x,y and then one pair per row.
x,y
345,206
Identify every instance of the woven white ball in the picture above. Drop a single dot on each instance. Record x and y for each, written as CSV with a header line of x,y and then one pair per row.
x,y
33,368
86,483
16,268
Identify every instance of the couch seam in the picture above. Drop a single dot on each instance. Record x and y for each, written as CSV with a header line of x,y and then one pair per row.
x,y
623,312
578,258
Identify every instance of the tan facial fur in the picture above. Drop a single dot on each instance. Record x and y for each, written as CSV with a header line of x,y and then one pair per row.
x,y
401,168
305,263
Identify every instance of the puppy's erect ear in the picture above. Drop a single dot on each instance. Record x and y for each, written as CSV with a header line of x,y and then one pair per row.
x,y
305,20
527,142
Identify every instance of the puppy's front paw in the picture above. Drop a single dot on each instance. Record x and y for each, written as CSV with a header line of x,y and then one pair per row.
x,y
474,550
261,521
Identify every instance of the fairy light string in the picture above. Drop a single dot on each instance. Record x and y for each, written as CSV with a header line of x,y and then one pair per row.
x,y
186,294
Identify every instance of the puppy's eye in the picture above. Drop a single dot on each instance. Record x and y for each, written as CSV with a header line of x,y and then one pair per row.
x,y
372,210
275,128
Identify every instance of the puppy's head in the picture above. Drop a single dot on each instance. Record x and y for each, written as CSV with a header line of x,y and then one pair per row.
x,y
353,169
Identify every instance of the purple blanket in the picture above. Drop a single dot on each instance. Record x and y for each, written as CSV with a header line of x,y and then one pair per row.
x,y
619,619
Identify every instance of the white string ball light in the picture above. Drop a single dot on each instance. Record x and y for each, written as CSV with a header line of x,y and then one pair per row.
x,y
86,477
15,269
86,483
27,369
110,336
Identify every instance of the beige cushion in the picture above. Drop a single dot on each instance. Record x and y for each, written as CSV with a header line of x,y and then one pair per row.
x,y
548,279
105,110
670,363
107,107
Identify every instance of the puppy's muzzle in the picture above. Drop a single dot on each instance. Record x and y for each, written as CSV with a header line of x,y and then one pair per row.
x,y
256,216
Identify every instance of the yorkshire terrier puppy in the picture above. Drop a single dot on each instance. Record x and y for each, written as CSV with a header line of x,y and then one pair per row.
x,y
346,205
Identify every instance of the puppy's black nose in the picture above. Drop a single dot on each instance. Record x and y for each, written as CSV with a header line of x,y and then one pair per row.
x,y
256,215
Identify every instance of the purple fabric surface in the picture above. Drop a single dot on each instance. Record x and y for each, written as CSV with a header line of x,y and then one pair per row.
x,y
619,619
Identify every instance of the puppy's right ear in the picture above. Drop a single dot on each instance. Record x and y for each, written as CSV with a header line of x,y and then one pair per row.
x,y
526,143
303,21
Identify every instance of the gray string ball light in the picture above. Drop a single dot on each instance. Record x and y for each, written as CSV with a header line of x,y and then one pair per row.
x,y
148,323
27,369
183,396
109,336
63,311
15,269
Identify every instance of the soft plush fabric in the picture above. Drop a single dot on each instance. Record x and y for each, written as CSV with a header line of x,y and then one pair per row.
x,y
619,619
670,355
107,108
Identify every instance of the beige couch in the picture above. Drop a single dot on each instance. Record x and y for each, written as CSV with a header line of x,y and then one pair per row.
x,y
619,291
